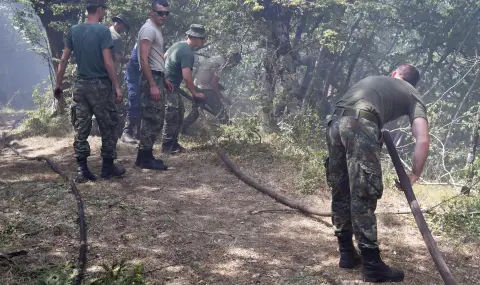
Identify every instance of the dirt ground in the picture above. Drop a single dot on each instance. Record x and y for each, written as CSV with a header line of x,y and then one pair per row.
x,y
193,224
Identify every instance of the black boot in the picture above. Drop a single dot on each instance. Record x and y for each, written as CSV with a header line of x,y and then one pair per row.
x,y
148,154
146,160
349,257
83,173
110,170
172,147
375,270
127,135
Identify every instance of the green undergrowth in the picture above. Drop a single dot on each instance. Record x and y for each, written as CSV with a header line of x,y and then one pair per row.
x,y
117,272
459,219
41,123
295,144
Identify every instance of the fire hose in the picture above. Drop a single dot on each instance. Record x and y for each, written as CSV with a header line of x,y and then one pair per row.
x,y
417,213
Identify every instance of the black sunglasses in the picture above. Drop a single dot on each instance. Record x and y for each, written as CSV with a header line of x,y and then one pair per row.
x,y
162,13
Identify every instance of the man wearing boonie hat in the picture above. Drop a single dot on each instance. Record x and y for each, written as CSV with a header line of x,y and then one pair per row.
x,y
178,67
121,24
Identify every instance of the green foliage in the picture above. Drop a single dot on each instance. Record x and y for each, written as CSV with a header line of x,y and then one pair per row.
x,y
40,122
241,135
459,218
312,174
302,139
120,273
57,275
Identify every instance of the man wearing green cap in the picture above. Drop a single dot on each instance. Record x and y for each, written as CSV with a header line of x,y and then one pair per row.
x,y
178,68
92,94
121,24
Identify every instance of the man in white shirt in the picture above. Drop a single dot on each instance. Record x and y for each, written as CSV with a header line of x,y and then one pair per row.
x,y
207,81
152,84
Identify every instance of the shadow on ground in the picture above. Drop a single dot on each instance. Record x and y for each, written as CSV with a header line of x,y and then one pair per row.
x,y
191,224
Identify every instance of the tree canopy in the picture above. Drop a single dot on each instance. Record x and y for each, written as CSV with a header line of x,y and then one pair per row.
x,y
300,56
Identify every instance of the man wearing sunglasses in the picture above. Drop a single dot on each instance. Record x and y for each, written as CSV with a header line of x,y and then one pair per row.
x,y
178,68
152,84
92,94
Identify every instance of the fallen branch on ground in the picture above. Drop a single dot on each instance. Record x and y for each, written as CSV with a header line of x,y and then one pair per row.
x,y
9,255
82,257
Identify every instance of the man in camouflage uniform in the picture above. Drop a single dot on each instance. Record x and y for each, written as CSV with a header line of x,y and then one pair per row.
x,y
178,67
121,24
150,52
353,167
92,93
207,82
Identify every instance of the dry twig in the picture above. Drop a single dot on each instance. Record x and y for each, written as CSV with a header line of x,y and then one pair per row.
x,y
82,257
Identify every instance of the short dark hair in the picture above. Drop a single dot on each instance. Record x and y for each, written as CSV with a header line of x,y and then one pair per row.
x,y
409,73
92,9
163,3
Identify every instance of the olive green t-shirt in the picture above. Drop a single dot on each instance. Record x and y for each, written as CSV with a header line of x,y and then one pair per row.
x,y
87,41
387,97
179,56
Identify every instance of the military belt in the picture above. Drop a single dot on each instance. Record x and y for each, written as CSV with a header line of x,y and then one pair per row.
x,y
357,113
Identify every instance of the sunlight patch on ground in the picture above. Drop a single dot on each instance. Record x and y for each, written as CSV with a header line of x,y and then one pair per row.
x,y
243,252
230,268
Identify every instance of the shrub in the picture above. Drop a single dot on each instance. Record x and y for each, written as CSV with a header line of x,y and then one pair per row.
x,y
459,218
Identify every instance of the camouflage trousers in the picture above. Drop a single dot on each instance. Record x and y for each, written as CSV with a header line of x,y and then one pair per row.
x,y
175,110
213,102
94,97
153,112
355,175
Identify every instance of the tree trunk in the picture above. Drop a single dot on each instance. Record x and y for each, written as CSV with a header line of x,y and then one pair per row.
x,y
472,150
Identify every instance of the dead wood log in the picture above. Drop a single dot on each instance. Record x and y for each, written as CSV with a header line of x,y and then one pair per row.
x,y
9,255
82,256
417,213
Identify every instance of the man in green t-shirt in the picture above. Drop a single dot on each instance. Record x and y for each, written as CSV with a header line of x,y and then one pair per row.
x,y
92,93
353,167
178,68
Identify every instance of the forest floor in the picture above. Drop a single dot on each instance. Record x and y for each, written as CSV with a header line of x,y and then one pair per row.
x,y
196,223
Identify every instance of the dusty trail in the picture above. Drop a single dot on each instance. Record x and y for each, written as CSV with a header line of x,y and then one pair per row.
x,y
192,224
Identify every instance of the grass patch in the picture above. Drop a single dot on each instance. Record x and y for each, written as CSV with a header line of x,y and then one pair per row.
x,y
459,219
41,123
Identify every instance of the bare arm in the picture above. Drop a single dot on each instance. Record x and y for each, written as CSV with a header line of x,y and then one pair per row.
x,y
62,66
187,76
422,145
145,47
110,66
118,57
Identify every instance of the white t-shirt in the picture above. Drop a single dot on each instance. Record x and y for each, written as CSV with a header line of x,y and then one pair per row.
x,y
211,67
150,31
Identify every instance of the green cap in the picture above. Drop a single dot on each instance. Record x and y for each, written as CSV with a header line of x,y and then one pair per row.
x,y
197,31
124,19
